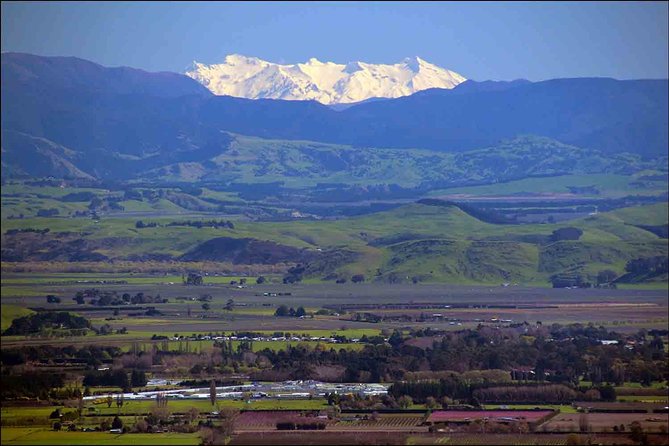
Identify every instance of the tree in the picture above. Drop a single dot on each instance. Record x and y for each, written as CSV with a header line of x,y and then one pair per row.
x,y
194,279
158,414
260,280
229,306
445,402
431,403
192,414
395,339
206,306
584,422
606,276
57,426
138,378
300,312
228,419
212,392
52,299
358,278
79,298
405,401
282,311
161,400
568,233
333,398
117,423
637,434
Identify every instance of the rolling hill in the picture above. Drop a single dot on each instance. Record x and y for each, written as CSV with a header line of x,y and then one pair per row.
x,y
419,242
120,122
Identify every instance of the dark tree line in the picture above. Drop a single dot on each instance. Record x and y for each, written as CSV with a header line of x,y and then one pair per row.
x,y
107,298
116,378
191,223
91,355
284,311
30,384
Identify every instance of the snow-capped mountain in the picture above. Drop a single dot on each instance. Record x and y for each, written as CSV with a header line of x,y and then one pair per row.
x,y
325,82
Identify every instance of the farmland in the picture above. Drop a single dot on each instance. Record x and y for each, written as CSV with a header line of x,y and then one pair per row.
x,y
452,312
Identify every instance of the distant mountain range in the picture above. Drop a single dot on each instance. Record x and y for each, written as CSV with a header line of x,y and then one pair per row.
x,y
67,116
325,82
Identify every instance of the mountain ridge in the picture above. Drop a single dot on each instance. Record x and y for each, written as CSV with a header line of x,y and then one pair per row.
x,y
326,82
104,113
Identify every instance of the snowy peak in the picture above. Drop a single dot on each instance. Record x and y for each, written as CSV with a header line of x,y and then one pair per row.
x,y
325,82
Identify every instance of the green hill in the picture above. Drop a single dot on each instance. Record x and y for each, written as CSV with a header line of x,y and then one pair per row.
x,y
418,242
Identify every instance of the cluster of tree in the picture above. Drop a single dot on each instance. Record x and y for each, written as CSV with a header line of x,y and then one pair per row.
x,y
556,354
116,423
107,329
555,394
294,274
107,298
606,276
357,278
284,311
77,197
106,203
139,224
570,280
19,231
456,386
35,323
204,224
291,426
51,212
648,265
52,299
193,279
116,378
568,233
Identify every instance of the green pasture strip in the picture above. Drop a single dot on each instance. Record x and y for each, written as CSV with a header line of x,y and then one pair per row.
x,y
140,407
34,436
644,399
143,407
563,408
644,286
130,279
206,345
632,385
11,312
610,185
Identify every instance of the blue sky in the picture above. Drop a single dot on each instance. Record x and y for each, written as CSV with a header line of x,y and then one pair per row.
x,y
501,41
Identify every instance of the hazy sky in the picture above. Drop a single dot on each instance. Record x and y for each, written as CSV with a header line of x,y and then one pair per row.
x,y
478,40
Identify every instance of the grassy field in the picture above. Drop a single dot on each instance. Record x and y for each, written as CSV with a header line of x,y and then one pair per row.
x,y
608,185
433,244
11,312
40,436
40,414
563,408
